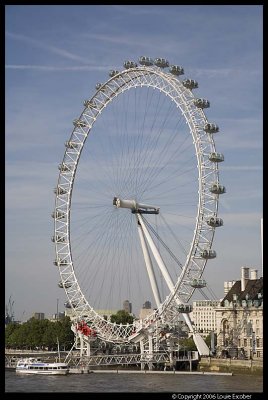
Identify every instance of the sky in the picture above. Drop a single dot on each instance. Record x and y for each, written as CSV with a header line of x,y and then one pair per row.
x,y
54,56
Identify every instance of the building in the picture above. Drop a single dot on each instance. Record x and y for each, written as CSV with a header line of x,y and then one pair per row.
x,y
145,312
239,318
39,315
57,316
203,316
227,286
147,304
127,306
106,314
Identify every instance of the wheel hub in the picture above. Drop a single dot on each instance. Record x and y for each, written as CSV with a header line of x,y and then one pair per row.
x,y
135,207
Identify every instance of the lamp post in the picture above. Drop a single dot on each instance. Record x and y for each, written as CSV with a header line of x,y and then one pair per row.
x,y
57,317
253,344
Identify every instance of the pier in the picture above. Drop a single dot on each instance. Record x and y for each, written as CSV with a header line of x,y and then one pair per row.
x,y
157,361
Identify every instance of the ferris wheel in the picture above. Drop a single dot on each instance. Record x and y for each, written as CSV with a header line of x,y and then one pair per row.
x,y
136,203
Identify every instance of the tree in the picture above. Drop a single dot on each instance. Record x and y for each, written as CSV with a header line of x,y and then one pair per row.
x,y
65,334
40,334
187,344
208,341
122,317
10,333
209,338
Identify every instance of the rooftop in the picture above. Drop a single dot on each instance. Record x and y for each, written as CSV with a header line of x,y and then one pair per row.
x,y
252,288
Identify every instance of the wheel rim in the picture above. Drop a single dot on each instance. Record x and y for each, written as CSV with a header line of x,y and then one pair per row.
x,y
148,104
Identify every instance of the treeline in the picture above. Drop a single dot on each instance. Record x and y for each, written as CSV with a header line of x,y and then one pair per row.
x,y
40,335
45,335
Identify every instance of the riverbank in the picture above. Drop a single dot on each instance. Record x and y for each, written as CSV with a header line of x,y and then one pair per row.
x,y
120,371
86,370
210,364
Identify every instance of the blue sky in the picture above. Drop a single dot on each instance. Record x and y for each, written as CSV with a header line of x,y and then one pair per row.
x,y
55,55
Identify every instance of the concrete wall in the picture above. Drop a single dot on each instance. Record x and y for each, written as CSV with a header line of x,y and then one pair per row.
x,y
230,365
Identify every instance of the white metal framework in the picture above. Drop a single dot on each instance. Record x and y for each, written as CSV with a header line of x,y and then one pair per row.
x,y
151,167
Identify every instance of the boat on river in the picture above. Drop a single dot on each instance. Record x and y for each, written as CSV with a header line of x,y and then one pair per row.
x,y
33,365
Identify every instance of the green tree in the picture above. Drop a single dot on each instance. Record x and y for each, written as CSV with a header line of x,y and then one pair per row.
x,y
49,338
122,317
187,344
10,334
208,341
64,333
40,334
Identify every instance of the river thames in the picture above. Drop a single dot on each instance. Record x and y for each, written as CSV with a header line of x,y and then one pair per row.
x,y
171,386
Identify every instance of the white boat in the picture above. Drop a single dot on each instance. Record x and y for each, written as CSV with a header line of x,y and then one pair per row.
x,y
36,366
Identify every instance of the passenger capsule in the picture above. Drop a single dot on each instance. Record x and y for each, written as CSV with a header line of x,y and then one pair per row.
x,y
215,222
99,86
80,124
208,254
59,191
130,64
216,157
211,128
58,214
71,145
113,72
67,304
66,284
201,103
161,62
176,70
190,84
185,308
198,283
146,61
217,189
58,239
59,262
64,167
90,104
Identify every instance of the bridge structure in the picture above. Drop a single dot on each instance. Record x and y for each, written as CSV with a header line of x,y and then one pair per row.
x,y
150,361
149,346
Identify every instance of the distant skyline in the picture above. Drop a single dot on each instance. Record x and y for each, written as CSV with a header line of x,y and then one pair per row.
x,y
55,55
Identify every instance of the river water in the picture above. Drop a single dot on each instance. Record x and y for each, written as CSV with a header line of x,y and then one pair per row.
x,y
170,385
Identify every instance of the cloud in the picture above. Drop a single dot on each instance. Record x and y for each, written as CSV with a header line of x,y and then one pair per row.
x,y
53,49
58,68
